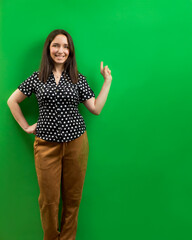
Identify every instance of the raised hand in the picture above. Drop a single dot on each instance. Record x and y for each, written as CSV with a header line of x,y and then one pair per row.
x,y
106,72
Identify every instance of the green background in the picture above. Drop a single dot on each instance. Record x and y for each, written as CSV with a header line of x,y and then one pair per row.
x,y
138,183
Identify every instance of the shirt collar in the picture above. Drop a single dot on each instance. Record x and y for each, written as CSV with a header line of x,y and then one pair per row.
x,y
63,76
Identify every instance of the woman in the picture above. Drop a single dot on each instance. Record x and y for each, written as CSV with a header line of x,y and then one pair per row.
x,y
61,145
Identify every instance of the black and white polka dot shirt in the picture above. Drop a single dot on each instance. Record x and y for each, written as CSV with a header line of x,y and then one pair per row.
x,y
59,118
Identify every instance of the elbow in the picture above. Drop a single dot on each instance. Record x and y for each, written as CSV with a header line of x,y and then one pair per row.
x,y
8,101
95,109
96,113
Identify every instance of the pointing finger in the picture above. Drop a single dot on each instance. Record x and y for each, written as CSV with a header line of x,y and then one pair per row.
x,y
101,66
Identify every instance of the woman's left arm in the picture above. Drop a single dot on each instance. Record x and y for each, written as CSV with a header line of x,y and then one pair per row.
x,y
95,105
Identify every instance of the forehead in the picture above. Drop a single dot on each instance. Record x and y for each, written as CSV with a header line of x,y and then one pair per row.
x,y
60,39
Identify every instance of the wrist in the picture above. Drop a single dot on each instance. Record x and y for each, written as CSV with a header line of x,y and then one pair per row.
x,y
108,81
25,128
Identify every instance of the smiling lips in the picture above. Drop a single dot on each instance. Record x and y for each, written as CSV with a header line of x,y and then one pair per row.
x,y
59,56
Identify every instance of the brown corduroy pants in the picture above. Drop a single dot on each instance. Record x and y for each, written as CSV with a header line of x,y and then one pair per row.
x,y
60,166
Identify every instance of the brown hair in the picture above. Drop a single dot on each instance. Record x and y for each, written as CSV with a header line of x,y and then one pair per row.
x,y
47,64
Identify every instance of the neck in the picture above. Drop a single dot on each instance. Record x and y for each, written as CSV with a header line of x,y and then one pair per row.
x,y
58,69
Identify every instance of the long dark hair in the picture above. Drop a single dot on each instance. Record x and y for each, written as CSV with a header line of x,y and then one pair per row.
x,y
47,64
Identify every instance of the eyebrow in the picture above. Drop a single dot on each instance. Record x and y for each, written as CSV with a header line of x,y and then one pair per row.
x,y
59,44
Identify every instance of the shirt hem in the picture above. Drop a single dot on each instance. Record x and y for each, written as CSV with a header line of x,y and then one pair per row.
x,y
60,141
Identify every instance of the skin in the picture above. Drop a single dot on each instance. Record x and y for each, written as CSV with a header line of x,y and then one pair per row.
x,y
59,46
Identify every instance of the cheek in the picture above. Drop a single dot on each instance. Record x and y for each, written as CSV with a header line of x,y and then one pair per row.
x,y
67,51
53,51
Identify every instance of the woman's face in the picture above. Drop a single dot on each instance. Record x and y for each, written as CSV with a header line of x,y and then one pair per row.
x,y
59,49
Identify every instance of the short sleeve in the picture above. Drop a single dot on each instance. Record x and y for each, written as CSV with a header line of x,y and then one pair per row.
x,y
28,86
85,92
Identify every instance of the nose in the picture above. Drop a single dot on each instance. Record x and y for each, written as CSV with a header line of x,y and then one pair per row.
x,y
61,50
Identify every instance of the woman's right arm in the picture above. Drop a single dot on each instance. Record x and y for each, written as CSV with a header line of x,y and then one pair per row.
x,y
13,102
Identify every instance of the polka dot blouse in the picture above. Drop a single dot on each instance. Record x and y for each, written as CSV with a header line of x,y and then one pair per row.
x,y
59,118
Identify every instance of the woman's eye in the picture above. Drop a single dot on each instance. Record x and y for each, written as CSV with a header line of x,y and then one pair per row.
x,y
57,46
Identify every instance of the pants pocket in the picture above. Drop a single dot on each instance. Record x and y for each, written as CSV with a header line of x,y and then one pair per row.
x,y
35,144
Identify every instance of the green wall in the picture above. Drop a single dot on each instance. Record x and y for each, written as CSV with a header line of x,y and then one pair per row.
x,y
138,183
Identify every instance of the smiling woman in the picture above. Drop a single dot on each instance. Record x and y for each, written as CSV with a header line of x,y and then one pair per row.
x,y
59,51
59,89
